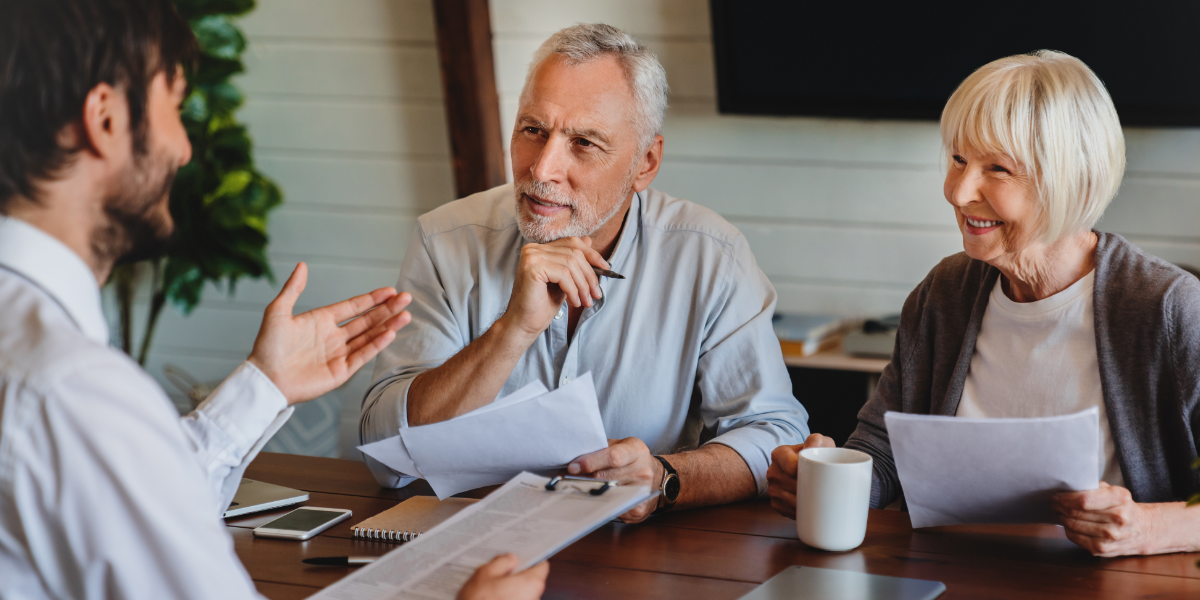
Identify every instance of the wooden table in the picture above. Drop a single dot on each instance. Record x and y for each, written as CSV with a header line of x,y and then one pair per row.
x,y
721,552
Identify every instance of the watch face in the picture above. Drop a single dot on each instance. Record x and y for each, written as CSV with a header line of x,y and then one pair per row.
x,y
671,489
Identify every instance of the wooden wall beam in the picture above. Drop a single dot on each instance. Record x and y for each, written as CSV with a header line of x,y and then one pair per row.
x,y
464,35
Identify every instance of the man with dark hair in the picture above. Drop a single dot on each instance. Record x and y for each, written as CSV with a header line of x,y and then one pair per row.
x,y
104,491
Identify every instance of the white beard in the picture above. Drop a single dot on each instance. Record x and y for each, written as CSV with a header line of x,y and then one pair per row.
x,y
586,217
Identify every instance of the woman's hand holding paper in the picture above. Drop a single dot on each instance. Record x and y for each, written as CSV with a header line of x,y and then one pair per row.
x,y
1107,522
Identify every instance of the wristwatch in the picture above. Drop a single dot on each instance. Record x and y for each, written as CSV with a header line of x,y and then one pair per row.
x,y
669,486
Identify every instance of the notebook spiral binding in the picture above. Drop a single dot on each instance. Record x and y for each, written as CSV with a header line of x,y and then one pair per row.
x,y
385,534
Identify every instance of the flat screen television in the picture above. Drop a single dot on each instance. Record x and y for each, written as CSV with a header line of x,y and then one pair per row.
x,y
883,59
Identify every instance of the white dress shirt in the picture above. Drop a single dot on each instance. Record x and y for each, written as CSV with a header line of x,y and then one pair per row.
x,y
105,492
1038,359
682,351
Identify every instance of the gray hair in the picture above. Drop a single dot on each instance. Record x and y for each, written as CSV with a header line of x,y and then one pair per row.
x,y
584,42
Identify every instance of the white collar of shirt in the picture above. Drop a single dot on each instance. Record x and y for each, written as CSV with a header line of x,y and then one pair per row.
x,y
56,270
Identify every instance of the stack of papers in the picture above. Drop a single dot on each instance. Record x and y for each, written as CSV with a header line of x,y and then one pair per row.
x,y
523,517
957,470
529,430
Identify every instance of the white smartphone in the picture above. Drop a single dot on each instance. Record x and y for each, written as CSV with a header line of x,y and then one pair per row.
x,y
303,523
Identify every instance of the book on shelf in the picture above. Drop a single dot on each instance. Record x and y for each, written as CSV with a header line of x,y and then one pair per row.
x,y
808,334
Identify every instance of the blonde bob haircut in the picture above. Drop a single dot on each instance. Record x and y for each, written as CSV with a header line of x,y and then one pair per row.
x,y
1050,113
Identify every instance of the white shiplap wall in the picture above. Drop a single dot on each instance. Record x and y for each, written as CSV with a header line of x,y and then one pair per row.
x,y
344,104
845,216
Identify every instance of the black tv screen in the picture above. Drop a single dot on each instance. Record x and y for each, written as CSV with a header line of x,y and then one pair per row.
x,y
882,59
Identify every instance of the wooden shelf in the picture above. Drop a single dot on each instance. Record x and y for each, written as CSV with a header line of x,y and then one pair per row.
x,y
836,360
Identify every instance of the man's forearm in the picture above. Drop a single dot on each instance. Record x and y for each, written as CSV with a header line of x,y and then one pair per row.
x,y
710,475
469,380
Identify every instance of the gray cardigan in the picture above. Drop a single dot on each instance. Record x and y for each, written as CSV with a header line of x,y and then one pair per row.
x,y
1147,315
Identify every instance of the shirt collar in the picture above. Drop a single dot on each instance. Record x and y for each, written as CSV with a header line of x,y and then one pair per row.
x,y
57,270
629,231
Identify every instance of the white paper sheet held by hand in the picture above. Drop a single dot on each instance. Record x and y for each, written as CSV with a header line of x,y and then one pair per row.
x,y
489,447
955,470
393,453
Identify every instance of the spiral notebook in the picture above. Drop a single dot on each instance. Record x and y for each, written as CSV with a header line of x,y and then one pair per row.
x,y
409,519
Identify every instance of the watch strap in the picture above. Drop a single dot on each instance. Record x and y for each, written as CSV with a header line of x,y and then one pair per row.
x,y
668,472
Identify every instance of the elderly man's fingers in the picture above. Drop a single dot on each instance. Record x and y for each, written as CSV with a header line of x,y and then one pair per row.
x,y
585,277
641,512
584,244
632,474
560,274
574,258
618,454
595,257
817,440
591,462
784,504
787,458
778,475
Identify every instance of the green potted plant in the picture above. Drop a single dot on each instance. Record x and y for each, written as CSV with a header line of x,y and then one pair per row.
x,y
219,201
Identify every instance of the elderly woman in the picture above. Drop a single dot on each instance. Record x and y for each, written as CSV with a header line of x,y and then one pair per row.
x,y
1043,315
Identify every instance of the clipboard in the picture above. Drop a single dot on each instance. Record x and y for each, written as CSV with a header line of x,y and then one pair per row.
x,y
531,516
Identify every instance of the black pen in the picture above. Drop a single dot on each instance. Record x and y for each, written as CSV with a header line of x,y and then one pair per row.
x,y
340,561
607,273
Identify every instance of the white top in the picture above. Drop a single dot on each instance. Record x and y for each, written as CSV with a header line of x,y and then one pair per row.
x,y
1038,359
105,492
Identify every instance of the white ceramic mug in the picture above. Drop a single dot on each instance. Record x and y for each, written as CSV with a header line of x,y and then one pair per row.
x,y
833,492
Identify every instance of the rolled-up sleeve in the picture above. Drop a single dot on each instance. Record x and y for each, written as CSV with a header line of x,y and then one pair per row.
x,y
429,340
746,392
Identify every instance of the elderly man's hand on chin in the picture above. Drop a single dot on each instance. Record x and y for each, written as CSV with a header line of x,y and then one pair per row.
x,y
781,475
548,275
627,462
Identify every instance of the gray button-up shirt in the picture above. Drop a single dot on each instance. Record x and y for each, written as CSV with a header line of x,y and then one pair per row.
x,y
681,352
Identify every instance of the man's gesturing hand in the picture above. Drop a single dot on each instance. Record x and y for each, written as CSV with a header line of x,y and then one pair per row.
x,y
547,275
309,354
781,475
628,462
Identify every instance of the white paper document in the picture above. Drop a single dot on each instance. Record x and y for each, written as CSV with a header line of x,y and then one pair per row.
x,y
529,430
521,517
955,470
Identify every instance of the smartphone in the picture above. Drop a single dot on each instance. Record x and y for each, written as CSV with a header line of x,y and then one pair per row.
x,y
303,523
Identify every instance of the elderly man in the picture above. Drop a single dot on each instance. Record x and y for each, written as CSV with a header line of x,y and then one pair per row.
x,y
504,293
